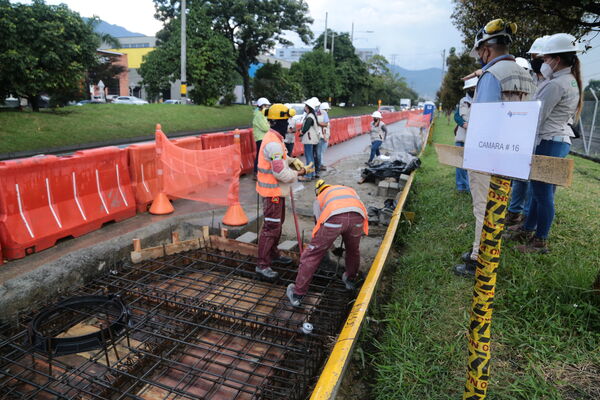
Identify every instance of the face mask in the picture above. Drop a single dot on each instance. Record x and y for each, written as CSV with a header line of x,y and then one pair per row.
x,y
536,64
546,70
471,93
481,62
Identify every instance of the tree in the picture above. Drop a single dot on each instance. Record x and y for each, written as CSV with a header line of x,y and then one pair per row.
x,y
452,91
349,68
316,73
252,28
44,49
210,60
595,85
276,84
534,18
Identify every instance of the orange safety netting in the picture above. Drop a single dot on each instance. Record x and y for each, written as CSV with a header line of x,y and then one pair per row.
x,y
211,176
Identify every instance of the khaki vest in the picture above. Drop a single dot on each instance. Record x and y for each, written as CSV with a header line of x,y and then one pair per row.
x,y
515,81
312,136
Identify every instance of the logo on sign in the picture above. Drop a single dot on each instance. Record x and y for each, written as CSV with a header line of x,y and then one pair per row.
x,y
511,113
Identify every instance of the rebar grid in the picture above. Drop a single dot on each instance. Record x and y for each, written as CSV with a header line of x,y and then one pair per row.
x,y
202,326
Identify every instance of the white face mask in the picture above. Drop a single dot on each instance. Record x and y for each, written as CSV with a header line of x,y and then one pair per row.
x,y
547,70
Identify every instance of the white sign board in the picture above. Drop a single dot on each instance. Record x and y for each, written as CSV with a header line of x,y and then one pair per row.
x,y
501,137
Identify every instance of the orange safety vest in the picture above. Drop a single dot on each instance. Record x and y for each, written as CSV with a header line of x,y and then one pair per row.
x,y
266,183
339,198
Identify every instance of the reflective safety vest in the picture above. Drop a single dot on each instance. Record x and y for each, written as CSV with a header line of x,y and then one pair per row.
x,y
266,183
339,199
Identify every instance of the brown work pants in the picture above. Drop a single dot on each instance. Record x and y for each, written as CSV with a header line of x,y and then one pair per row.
x,y
274,217
350,226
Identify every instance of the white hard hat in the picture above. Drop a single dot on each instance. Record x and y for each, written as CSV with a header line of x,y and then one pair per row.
x,y
523,63
561,43
313,103
376,114
496,31
325,106
469,83
262,101
538,45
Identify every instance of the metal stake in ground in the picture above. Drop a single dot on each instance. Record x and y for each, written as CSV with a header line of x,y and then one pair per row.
x,y
478,374
300,239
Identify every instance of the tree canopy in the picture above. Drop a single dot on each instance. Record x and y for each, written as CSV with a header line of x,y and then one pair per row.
x,y
384,85
44,50
276,84
534,18
251,28
316,74
210,59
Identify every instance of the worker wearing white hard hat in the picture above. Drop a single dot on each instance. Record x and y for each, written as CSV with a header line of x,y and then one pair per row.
x,y
461,117
501,80
561,98
260,126
378,135
535,51
310,133
323,120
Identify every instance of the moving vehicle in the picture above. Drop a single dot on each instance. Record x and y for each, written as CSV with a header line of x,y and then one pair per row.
x,y
129,100
386,109
172,101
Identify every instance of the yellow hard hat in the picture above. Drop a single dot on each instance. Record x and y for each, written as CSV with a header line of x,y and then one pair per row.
x,y
279,111
320,185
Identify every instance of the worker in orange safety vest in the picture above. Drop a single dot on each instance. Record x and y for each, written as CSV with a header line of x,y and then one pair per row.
x,y
338,211
274,180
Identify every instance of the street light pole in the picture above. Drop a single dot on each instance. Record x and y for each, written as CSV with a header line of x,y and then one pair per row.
x,y
325,35
183,53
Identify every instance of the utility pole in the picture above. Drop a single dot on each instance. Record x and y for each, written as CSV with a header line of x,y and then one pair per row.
x,y
183,53
332,42
352,34
394,59
325,35
443,62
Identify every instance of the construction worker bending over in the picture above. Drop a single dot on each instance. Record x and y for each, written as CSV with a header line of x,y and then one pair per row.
x,y
274,179
338,211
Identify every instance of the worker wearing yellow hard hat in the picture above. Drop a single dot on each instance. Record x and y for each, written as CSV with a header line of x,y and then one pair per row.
x,y
338,212
274,177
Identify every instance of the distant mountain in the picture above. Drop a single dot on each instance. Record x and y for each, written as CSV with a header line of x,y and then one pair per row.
x,y
114,30
426,82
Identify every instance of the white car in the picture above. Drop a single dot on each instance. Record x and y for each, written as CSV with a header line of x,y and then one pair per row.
x,y
129,100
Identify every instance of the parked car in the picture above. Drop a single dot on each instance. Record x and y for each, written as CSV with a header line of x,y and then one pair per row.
x,y
172,101
129,100
111,97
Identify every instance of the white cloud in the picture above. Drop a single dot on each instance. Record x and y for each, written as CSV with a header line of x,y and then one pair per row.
x,y
133,15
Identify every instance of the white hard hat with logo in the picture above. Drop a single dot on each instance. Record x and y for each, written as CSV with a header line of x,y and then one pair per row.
x,y
538,45
324,106
313,103
262,102
469,83
523,63
376,114
561,43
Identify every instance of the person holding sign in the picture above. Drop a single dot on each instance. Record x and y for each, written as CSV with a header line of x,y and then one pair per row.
x,y
502,79
562,102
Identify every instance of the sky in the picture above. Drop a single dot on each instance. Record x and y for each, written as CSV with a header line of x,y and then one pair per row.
x,y
416,31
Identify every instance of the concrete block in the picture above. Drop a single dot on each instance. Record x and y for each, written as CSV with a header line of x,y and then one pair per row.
x,y
288,245
382,188
393,190
248,237
404,178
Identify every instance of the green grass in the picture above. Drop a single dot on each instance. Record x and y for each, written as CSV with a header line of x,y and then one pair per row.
x,y
546,324
25,130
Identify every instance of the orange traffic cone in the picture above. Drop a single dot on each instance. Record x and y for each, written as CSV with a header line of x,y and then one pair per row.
x,y
161,205
235,216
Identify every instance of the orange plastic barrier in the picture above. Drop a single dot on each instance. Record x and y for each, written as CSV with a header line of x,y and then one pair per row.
x,y
248,149
189,142
216,140
418,120
44,199
142,170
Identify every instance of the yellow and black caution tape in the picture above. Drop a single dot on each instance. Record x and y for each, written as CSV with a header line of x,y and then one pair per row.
x,y
478,374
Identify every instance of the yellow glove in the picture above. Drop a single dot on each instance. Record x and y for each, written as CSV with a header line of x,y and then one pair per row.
x,y
297,164
309,168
